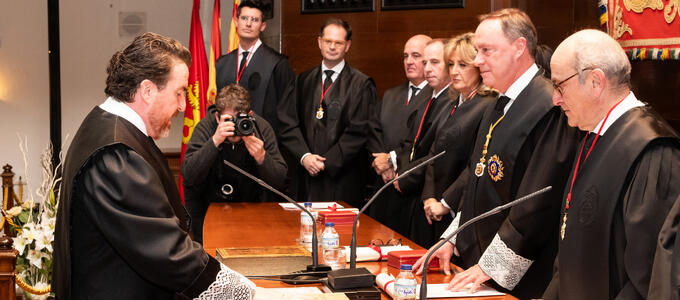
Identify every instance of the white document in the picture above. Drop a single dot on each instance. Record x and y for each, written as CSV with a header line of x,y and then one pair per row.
x,y
315,205
369,254
297,290
385,282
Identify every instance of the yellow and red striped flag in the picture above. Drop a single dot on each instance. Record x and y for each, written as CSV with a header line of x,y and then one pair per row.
x,y
233,37
215,52
198,83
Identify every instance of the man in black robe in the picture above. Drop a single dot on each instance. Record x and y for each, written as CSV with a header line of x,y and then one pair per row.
x,y
264,72
207,179
423,130
391,129
523,144
624,182
122,231
324,122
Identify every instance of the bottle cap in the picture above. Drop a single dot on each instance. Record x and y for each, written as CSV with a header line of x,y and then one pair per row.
x,y
406,267
308,204
330,224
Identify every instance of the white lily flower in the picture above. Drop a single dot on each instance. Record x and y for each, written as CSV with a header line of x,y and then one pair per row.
x,y
14,211
19,244
35,257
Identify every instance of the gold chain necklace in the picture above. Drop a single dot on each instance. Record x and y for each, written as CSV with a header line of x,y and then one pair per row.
x,y
479,169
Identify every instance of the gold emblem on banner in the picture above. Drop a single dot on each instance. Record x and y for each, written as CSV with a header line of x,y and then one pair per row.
x,y
495,168
639,5
619,27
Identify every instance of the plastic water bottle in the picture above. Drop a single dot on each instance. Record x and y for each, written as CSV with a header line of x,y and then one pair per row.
x,y
306,226
405,284
330,245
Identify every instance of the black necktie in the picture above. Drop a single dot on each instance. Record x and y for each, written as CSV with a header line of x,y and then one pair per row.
x,y
414,90
500,105
328,81
243,61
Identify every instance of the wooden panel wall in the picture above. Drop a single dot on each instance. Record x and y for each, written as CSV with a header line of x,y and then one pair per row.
x,y
378,39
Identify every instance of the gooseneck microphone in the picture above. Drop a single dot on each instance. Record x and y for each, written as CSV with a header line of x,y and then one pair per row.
x,y
493,211
315,266
357,278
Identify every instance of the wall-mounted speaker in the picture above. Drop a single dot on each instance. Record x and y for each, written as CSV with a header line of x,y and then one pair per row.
x,y
131,24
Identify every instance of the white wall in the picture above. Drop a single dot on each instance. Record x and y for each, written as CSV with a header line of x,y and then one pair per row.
x,y
89,37
24,84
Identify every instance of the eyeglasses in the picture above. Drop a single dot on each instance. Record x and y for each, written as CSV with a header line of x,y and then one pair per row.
x,y
558,86
329,43
390,242
252,19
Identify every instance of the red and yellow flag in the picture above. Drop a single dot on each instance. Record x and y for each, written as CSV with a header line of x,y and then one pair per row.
x,y
233,37
198,83
215,52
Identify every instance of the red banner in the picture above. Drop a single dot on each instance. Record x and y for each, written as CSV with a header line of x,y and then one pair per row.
x,y
215,52
198,83
646,29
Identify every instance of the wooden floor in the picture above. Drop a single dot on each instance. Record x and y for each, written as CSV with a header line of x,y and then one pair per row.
x,y
267,224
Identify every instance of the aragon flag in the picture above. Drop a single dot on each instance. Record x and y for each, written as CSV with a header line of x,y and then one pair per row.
x,y
215,52
198,83
233,37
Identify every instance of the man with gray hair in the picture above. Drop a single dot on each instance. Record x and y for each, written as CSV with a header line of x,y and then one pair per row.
x,y
624,182
523,144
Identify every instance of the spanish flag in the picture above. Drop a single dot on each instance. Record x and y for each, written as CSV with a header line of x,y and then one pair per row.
x,y
233,37
198,83
215,52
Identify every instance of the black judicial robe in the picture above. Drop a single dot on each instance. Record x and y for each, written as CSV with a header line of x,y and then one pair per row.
x,y
456,134
536,147
340,136
266,77
620,197
665,279
390,207
120,214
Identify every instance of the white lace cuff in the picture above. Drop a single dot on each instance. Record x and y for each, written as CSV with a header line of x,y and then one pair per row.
x,y
451,229
229,285
503,265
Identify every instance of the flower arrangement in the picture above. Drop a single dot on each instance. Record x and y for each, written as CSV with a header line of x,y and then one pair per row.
x,y
34,224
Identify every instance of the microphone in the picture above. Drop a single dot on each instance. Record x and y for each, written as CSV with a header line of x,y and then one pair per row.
x,y
315,266
353,277
493,211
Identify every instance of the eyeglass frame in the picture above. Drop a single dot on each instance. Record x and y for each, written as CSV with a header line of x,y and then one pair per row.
x,y
558,86
390,242
329,42
252,19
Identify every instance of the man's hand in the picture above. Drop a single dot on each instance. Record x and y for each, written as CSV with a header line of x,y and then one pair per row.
x,y
255,147
314,164
474,276
225,128
396,185
434,210
428,214
388,175
381,162
443,254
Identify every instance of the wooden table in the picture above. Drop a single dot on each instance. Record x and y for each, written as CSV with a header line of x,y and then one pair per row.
x,y
267,224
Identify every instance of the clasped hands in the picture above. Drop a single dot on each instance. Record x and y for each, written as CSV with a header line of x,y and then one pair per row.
x,y
314,164
225,131
473,276
381,165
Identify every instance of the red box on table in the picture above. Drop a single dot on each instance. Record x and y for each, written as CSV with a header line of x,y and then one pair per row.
x,y
397,258
339,217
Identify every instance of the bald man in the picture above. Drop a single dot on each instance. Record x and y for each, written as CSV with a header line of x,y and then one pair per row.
x,y
390,129
624,182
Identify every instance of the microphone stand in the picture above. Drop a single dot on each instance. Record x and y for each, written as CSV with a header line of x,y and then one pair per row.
x,y
315,266
423,284
357,278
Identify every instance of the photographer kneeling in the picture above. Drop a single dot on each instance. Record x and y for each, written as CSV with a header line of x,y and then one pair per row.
x,y
229,131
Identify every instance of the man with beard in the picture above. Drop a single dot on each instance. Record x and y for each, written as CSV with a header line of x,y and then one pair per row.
x,y
122,231
324,122
391,126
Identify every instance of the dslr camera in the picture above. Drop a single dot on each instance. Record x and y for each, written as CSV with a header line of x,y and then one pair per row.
x,y
244,123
